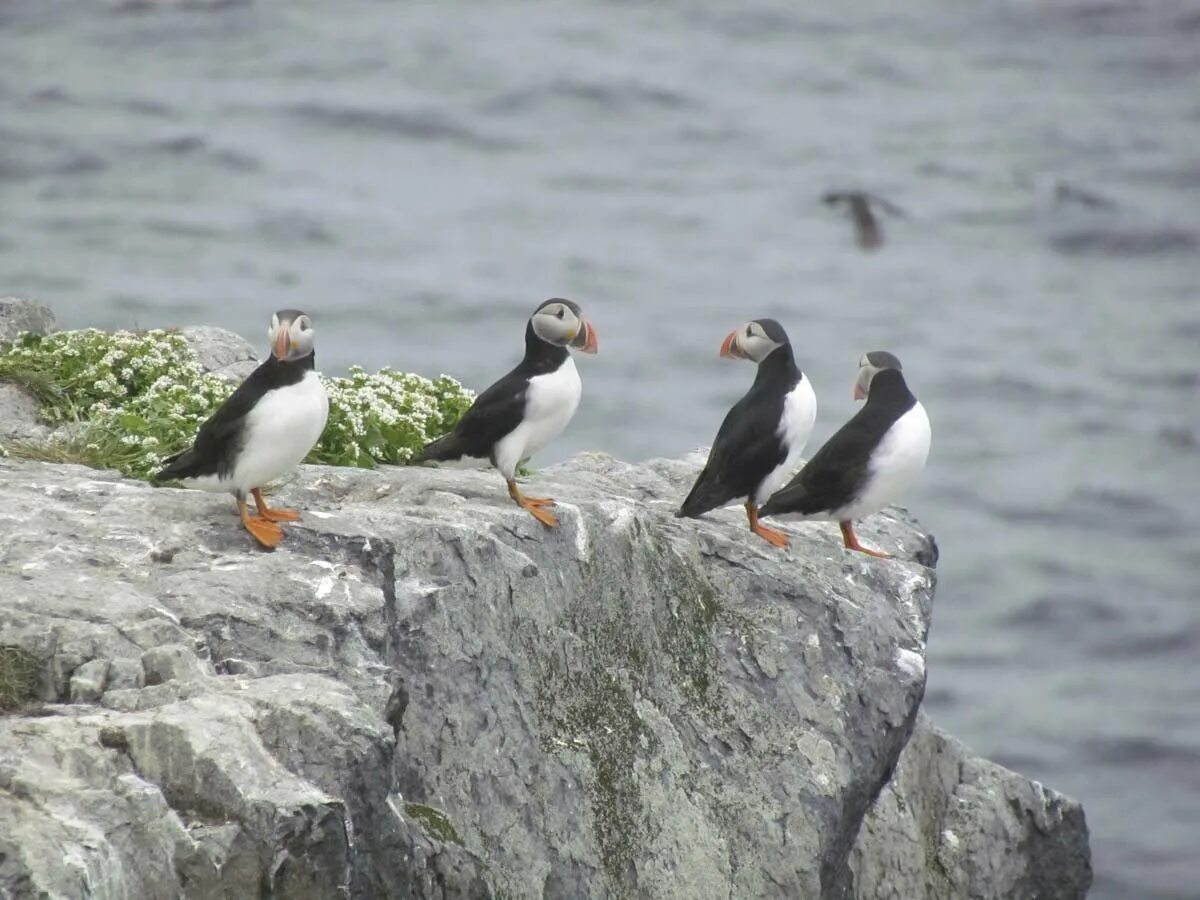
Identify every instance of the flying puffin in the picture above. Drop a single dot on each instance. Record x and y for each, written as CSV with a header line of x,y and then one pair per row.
x,y
759,443
866,225
527,408
869,462
266,427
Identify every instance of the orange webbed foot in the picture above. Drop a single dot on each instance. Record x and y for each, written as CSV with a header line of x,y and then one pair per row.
x,y
542,515
263,530
850,539
535,506
280,515
273,515
770,535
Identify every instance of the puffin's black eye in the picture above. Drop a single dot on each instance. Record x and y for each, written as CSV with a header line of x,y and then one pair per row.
x,y
304,326
560,312
748,334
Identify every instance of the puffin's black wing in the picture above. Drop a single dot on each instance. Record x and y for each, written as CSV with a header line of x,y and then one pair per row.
x,y
495,413
746,450
219,439
838,472
833,477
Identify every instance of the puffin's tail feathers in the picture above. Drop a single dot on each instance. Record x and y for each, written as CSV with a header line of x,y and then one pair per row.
x,y
177,466
447,447
706,494
790,499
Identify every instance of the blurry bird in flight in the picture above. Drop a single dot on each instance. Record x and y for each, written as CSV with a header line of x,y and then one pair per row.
x,y
866,223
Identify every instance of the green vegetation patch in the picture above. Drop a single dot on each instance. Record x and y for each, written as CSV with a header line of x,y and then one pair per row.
x,y
434,822
18,677
131,399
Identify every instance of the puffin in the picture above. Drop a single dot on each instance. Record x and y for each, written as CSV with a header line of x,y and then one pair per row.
x,y
760,440
866,225
527,408
869,462
265,428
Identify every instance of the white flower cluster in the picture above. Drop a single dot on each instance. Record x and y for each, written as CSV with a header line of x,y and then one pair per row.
x,y
96,369
141,397
388,416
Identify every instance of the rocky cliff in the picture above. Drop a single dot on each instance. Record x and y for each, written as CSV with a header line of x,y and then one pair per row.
x,y
425,694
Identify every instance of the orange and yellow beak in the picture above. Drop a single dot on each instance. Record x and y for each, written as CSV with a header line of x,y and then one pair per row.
x,y
283,343
731,347
859,393
585,339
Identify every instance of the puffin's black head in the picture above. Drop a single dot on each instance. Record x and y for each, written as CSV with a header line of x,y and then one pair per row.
x,y
755,340
871,365
291,335
561,322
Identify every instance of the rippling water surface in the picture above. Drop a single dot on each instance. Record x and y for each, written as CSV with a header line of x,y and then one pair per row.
x,y
419,176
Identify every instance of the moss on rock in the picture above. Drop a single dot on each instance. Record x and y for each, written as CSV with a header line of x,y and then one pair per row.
x,y
18,677
434,821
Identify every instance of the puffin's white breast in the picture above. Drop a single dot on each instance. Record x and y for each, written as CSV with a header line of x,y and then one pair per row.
x,y
894,465
280,430
550,403
795,425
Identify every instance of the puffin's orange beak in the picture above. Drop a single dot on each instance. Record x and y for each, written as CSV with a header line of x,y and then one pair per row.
x,y
282,343
731,348
859,393
585,340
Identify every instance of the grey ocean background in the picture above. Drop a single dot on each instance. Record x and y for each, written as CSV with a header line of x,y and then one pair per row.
x,y
419,177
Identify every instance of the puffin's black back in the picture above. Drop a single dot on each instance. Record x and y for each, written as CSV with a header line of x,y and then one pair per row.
x,y
498,410
221,437
838,471
748,447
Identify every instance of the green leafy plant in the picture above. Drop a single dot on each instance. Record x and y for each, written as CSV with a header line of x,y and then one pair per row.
x,y
128,400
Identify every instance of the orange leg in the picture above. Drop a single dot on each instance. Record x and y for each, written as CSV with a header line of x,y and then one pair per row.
x,y
770,535
273,515
850,539
534,505
264,531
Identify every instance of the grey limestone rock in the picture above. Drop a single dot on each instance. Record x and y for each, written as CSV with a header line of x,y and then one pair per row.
x,y
18,314
18,409
19,415
425,694
172,662
950,824
88,681
221,352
